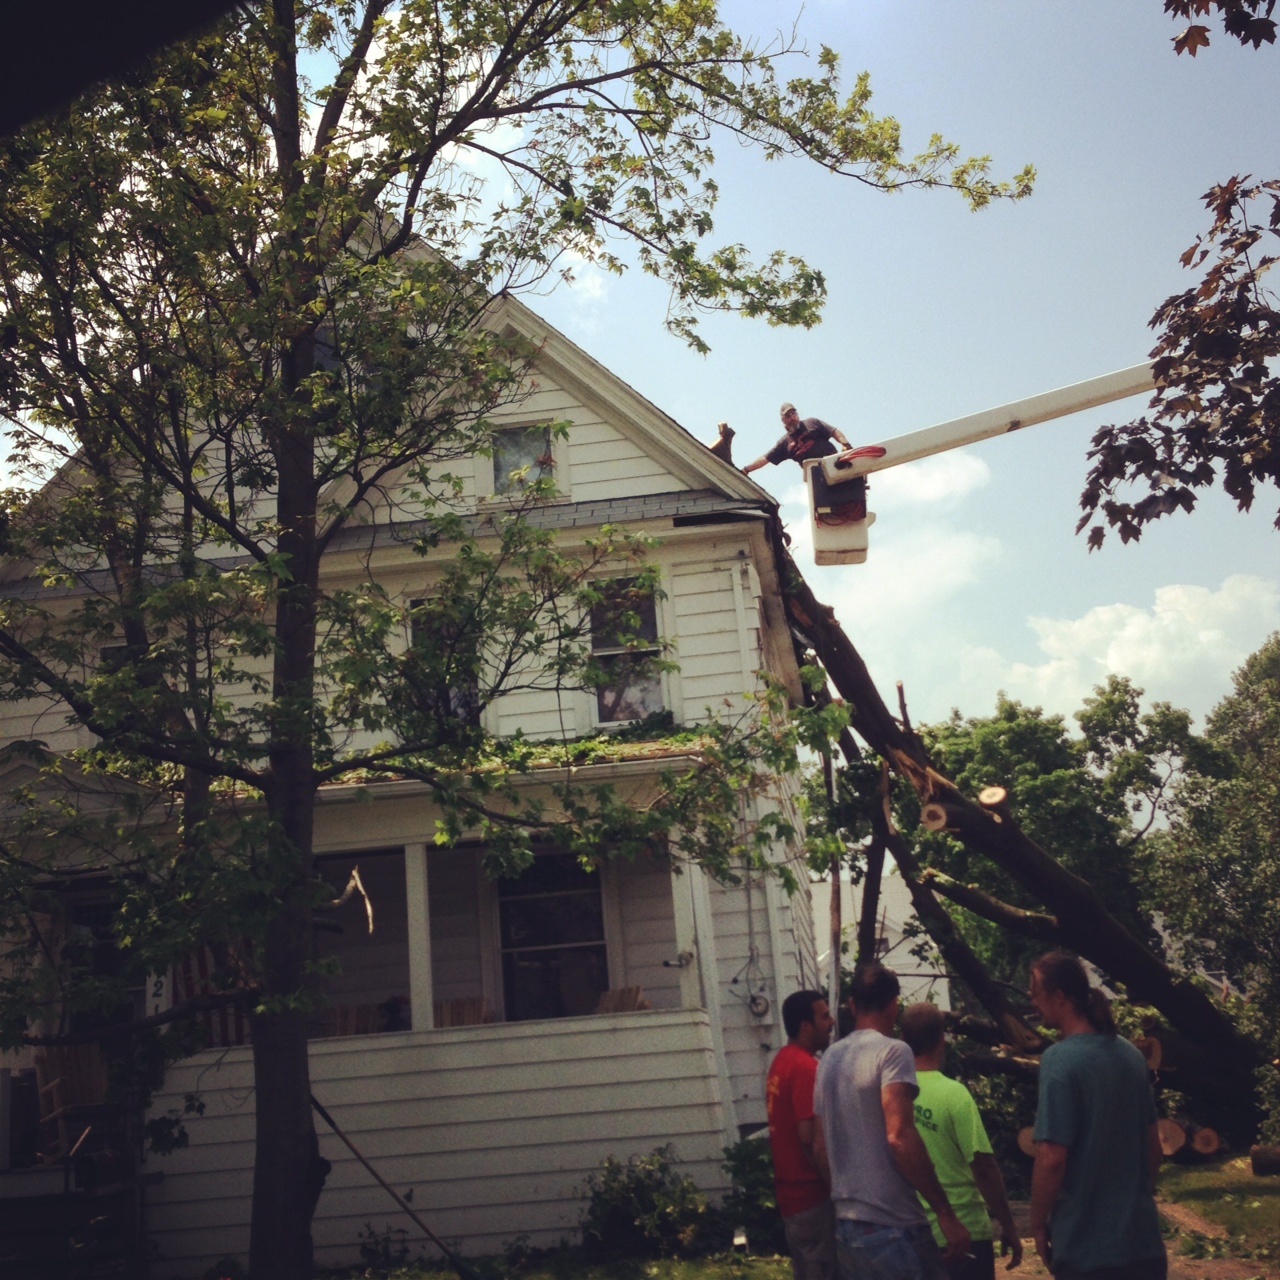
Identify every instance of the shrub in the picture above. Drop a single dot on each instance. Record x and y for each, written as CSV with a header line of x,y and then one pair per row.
x,y
752,1202
645,1209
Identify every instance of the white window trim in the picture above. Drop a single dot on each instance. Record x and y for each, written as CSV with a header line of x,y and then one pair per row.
x,y
484,486
668,649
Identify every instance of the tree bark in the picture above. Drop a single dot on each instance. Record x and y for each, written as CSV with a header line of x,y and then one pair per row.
x,y
1030,924
868,930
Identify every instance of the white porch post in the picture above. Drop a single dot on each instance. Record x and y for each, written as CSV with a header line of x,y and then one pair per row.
x,y
421,995
709,975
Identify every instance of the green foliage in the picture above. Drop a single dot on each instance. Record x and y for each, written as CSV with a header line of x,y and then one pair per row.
x,y
752,1202
1089,800
1215,875
1214,418
1227,1194
647,1209
254,300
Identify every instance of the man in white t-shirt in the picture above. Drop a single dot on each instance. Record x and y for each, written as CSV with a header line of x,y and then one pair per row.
x,y
865,1100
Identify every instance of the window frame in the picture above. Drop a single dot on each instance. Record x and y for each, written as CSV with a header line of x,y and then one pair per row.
x,y
486,480
659,649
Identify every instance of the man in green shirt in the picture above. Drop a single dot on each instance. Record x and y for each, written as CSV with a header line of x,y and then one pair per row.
x,y
948,1121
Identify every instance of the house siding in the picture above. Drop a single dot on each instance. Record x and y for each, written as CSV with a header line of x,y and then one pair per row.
x,y
495,1128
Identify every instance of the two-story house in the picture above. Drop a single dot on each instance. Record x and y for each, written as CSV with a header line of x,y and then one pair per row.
x,y
491,1042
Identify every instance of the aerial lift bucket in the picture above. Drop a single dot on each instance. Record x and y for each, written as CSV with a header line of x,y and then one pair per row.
x,y
838,507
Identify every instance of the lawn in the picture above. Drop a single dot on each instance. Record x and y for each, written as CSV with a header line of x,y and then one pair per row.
x,y
569,1264
1228,1195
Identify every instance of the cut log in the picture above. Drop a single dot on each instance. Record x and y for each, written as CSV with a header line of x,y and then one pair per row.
x,y
1265,1161
1027,1140
1173,1137
935,817
1151,1050
993,798
1205,1142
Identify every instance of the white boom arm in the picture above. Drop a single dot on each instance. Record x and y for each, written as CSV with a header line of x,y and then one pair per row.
x,y
840,527
991,422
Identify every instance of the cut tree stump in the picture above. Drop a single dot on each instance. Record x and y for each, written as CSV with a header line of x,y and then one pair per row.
x,y
1265,1161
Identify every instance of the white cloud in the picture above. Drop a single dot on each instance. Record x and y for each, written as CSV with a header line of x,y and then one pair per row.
x,y
1182,649
933,481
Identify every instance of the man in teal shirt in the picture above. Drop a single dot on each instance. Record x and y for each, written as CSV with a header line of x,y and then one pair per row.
x,y
1093,1210
948,1120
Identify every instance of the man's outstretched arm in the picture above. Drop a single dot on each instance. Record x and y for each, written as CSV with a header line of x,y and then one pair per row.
x,y
912,1158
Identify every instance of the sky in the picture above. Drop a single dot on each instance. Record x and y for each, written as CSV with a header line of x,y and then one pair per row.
x,y
976,581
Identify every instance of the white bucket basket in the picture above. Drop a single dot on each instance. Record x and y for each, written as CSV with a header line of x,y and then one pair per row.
x,y
837,510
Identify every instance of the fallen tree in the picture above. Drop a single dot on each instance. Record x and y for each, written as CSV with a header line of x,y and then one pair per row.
x,y
1075,915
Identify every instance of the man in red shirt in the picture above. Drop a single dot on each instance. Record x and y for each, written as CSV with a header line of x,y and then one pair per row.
x,y
800,1175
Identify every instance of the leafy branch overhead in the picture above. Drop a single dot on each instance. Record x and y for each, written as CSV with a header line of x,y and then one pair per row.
x,y
1215,416
1248,21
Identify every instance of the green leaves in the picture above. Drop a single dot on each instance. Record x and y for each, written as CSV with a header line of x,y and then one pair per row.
x,y
1215,416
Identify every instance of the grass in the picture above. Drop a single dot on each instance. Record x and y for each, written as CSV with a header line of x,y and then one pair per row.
x,y
569,1264
1228,1195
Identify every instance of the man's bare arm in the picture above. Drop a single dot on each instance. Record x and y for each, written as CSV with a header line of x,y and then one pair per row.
x,y
1155,1154
912,1158
1046,1186
990,1183
814,1146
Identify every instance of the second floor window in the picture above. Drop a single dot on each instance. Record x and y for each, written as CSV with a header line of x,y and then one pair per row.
x,y
625,645
521,457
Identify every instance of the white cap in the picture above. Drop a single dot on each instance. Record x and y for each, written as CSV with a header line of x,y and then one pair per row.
x,y
787,407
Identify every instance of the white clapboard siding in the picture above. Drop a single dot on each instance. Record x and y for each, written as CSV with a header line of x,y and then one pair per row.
x,y
649,932
537,713
604,463
709,640
495,1128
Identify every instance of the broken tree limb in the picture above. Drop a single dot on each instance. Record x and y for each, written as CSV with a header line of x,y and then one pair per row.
x,y
959,956
1030,924
1087,926
972,1028
935,816
868,931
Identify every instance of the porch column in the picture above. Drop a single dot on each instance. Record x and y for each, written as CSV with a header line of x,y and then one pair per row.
x,y
421,994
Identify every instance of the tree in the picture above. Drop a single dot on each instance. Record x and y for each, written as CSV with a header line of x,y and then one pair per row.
x,y
1215,874
254,291
1216,410
1075,915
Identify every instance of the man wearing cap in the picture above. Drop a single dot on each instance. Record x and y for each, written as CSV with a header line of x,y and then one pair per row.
x,y
805,438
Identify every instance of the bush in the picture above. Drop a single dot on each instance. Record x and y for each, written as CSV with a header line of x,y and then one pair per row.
x,y
752,1202
645,1209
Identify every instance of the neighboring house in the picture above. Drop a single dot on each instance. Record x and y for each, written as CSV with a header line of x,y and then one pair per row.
x,y
895,935
502,1085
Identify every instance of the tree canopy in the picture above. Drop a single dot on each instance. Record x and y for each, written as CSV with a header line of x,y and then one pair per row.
x,y
1215,874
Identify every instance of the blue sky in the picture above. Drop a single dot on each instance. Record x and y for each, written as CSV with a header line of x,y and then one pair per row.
x,y
976,580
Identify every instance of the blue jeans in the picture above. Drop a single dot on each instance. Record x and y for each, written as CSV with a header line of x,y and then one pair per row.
x,y
869,1251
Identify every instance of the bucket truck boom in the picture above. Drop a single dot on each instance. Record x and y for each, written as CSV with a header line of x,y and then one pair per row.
x,y
840,522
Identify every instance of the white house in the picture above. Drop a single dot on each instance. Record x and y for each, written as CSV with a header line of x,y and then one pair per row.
x,y
467,1054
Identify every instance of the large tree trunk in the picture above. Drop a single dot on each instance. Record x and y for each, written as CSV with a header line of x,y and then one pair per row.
x,y
1085,924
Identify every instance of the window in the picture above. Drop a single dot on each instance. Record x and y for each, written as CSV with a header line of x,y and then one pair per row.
x,y
521,457
440,670
624,643
551,937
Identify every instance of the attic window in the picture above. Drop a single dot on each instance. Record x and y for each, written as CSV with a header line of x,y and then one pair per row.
x,y
521,457
624,643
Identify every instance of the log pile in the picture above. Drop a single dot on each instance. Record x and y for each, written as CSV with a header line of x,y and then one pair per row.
x,y
1265,1161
